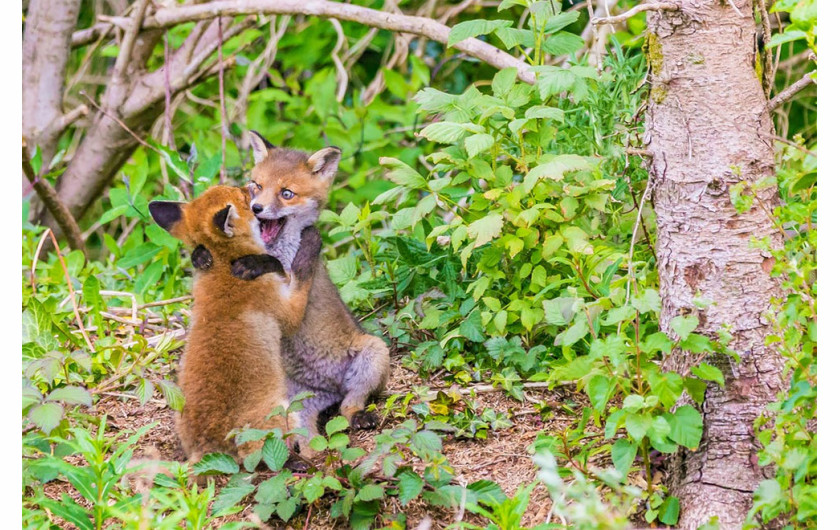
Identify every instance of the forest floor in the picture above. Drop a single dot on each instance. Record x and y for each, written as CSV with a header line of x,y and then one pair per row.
x,y
502,457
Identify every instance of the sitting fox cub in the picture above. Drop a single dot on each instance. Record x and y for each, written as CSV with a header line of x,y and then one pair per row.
x,y
231,372
330,354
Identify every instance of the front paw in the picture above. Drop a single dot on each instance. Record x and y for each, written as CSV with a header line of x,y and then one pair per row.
x,y
364,420
202,259
243,270
308,252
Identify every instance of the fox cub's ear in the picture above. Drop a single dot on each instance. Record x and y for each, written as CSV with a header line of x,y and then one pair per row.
x,y
324,163
259,145
166,213
224,219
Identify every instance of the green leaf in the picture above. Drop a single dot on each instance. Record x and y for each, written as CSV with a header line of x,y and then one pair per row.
x,y
473,28
402,174
478,143
275,453
471,327
72,395
370,492
503,81
447,132
231,495
172,394
669,512
600,389
339,423
696,389
563,43
138,255
410,486
486,228
68,510
577,240
560,21
556,169
648,302
633,403
560,311
709,373
215,464
318,443
313,489
46,416
623,454
686,426
637,425
90,290
683,325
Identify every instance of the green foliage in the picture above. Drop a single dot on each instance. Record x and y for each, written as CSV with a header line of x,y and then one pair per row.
x,y
787,432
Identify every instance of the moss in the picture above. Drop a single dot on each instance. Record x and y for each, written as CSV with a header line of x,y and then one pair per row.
x,y
658,93
695,58
654,54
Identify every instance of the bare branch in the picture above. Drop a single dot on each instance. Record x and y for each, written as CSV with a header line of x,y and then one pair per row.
x,y
432,29
50,199
653,6
785,95
127,44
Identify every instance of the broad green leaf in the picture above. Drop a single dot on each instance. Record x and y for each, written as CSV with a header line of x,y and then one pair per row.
x,y
339,423
623,454
172,393
647,302
231,495
561,20
478,143
275,453
633,403
402,174
370,492
486,228
600,389
686,426
563,43
72,395
473,28
503,81
683,325
637,425
215,464
709,373
556,169
313,489
46,416
669,512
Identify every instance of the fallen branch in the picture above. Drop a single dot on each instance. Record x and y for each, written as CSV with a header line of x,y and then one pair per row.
x,y
653,6
785,95
431,29
50,199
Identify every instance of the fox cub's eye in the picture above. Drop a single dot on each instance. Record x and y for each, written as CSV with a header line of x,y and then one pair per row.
x,y
287,194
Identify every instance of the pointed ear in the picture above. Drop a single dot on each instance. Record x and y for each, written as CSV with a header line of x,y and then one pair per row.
x,y
224,219
259,145
166,213
324,163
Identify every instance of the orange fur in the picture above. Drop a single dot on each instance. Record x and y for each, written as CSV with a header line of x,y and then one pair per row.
x,y
231,371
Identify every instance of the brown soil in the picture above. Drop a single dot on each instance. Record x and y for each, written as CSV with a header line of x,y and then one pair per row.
x,y
503,457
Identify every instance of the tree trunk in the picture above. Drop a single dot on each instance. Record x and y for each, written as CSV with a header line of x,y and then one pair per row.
x,y
46,46
708,124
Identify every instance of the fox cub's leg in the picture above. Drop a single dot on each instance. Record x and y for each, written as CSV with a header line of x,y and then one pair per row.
x,y
303,266
366,375
253,266
201,258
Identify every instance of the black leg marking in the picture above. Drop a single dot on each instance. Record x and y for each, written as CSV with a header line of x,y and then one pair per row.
x,y
303,266
253,266
364,420
201,258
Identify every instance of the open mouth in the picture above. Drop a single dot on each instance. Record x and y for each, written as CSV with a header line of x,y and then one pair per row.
x,y
270,229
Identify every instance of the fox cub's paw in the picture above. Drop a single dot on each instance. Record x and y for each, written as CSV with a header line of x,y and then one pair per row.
x,y
253,266
201,258
364,420
303,266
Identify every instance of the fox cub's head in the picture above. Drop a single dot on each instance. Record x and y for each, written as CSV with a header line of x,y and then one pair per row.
x,y
220,218
288,186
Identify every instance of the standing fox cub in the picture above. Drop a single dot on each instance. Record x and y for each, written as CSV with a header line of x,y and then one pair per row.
x,y
232,372
330,354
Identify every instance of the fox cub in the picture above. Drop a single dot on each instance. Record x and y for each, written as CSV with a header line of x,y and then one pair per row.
x,y
330,354
232,372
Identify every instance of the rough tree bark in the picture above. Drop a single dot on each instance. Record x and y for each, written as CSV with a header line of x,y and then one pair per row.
x,y
46,46
707,123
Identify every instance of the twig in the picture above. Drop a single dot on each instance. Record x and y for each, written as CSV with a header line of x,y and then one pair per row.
x,y
788,142
57,209
119,122
432,29
222,171
340,72
72,291
785,95
35,260
127,44
630,268
308,515
69,118
653,6
123,293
